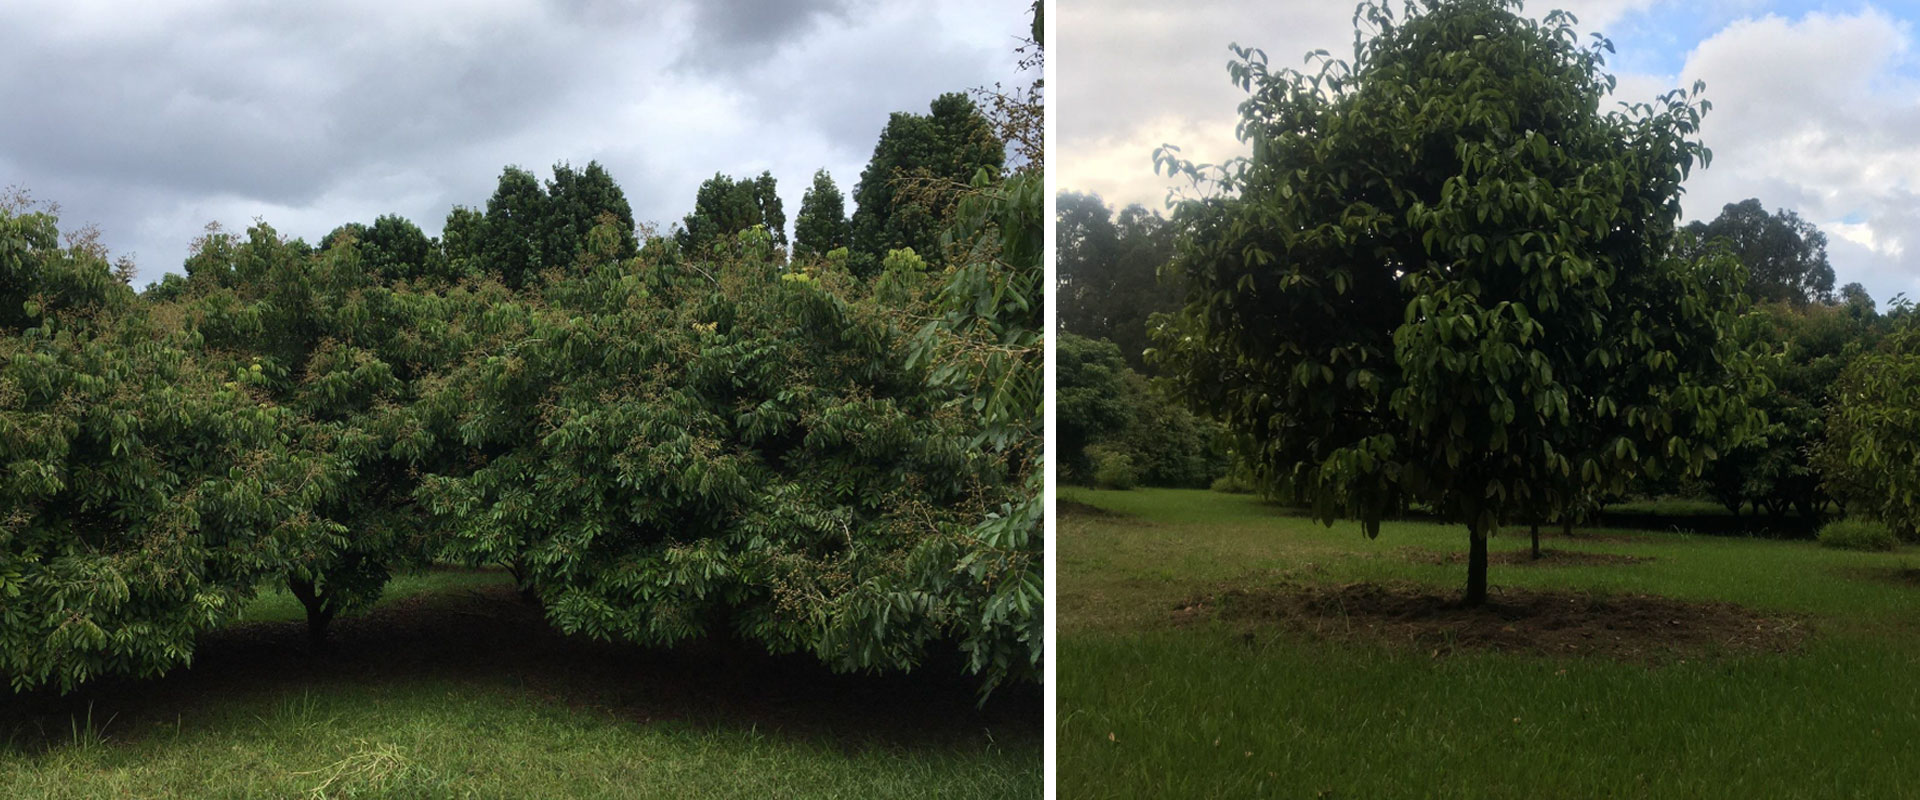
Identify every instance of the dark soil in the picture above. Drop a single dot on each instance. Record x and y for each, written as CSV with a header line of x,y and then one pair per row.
x,y
1065,508
493,640
1524,558
1902,575
1627,627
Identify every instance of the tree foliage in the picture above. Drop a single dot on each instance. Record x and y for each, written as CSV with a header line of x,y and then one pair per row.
x,y
906,194
822,226
1785,256
724,207
1445,276
1871,453
1109,272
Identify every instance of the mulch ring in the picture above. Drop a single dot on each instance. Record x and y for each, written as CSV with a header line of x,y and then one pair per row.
x,y
1626,627
1548,558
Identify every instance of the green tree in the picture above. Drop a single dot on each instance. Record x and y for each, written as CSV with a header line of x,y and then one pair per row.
x,y
1490,320
1870,456
822,226
1785,256
147,491
1109,272
906,193
724,207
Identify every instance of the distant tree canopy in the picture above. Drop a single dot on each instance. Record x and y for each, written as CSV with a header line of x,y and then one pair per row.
x,y
906,193
724,207
1490,322
822,225
1109,272
526,229
1785,256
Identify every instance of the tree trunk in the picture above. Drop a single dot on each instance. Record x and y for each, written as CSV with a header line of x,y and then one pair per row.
x,y
1476,569
320,610
1536,541
1566,526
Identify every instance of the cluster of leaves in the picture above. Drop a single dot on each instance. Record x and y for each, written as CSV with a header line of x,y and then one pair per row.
x,y
1445,276
920,168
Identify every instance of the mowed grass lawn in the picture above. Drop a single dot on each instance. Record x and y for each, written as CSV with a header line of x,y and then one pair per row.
x,y
453,687
1155,707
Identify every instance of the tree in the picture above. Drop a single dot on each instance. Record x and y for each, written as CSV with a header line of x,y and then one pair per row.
x,y
1870,456
1785,256
148,491
905,195
724,207
822,226
1109,272
1490,321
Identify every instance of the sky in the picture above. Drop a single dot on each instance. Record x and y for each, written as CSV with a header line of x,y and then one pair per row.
x,y
1816,105
150,120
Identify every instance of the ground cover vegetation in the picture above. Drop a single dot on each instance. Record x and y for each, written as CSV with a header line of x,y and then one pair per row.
x,y
660,436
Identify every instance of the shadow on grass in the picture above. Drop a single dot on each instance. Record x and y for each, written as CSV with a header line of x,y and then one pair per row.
x,y
490,640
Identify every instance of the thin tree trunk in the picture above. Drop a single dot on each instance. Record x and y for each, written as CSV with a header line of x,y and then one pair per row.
x,y
1566,526
1476,569
1536,541
320,610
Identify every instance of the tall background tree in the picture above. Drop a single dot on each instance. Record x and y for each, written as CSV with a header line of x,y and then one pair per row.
x,y
1109,272
906,194
822,225
724,207
1785,256
1490,322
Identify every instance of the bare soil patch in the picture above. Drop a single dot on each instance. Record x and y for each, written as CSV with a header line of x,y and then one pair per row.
x,y
1065,507
1627,627
1548,558
1902,575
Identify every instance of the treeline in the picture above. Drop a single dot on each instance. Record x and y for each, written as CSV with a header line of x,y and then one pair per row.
x,y
1828,360
661,435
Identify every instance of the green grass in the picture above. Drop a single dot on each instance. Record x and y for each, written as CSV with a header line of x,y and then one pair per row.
x,y
1151,709
401,710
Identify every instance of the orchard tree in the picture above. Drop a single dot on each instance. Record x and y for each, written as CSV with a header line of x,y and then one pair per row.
x,y
1109,272
147,490
822,226
1785,256
1445,276
1870,456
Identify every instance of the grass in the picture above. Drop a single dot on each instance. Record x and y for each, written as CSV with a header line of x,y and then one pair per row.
x,y
1149,708
453,688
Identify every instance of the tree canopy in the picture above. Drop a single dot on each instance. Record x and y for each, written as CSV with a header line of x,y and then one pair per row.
x,y
1490,322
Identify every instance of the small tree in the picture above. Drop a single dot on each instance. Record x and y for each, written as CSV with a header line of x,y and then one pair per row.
x,y
1871,454
1445,276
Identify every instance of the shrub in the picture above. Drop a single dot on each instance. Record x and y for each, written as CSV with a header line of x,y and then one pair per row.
x,y
1232,483
1857,534
1113,469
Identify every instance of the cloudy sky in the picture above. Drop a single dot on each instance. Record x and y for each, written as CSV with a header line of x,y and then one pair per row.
x,y
1816,106
152,119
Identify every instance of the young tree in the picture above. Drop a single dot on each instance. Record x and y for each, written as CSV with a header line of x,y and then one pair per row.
x,y
1870,457
1446,277
822,226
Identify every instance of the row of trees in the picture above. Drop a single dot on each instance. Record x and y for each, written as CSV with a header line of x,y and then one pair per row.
x,y
1504,321
662,437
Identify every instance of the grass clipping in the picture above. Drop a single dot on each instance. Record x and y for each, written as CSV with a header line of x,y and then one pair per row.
x,y
377,769
1626,627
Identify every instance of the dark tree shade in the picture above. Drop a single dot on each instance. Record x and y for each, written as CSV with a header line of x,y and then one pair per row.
x,y
822,225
